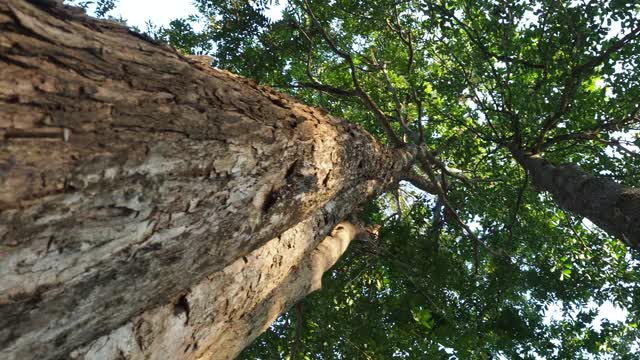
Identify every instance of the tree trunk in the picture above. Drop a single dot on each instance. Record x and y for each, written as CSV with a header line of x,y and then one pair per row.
x,y
131,177
612,206
223,314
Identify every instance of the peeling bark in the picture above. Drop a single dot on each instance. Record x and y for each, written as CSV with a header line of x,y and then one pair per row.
x,y
612,206
130,174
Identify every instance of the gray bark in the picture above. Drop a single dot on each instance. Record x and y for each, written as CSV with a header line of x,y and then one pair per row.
x,y
613,207
130,174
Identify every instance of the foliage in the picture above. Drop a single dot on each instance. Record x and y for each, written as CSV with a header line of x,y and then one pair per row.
x,y
181,34
99,8
470,78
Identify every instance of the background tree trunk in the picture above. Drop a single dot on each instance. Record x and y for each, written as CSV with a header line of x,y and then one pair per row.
x,y
128,175
612,206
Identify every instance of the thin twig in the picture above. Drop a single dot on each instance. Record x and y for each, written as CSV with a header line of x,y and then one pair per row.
x,y
424,161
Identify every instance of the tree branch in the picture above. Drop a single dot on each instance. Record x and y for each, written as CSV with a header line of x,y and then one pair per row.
x,y
424,159
382,118
574,79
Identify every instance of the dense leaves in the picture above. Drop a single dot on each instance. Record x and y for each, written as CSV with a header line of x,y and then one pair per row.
x,y
466,80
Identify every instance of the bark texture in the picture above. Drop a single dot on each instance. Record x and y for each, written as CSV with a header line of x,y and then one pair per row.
x,y
612,206
130,174
223,314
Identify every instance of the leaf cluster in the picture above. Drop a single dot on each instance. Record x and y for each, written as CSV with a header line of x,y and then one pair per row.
x,y
469,271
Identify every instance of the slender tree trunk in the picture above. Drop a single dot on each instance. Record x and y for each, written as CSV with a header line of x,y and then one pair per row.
x,y
131,178
612,206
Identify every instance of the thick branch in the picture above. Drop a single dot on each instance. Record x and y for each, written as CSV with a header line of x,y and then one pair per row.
x,y
420,182
612,206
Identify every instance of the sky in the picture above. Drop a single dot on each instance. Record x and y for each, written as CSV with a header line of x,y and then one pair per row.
x,y
138,12
161,12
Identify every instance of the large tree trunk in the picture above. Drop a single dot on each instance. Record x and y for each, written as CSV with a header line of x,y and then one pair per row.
x,y
612,206
223,314
131,178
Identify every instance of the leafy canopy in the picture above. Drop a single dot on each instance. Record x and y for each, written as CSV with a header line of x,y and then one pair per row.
x,y
463,79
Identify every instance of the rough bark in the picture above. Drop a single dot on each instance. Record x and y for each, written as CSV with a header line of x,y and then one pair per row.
x,y
610,205
228,310
129,174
